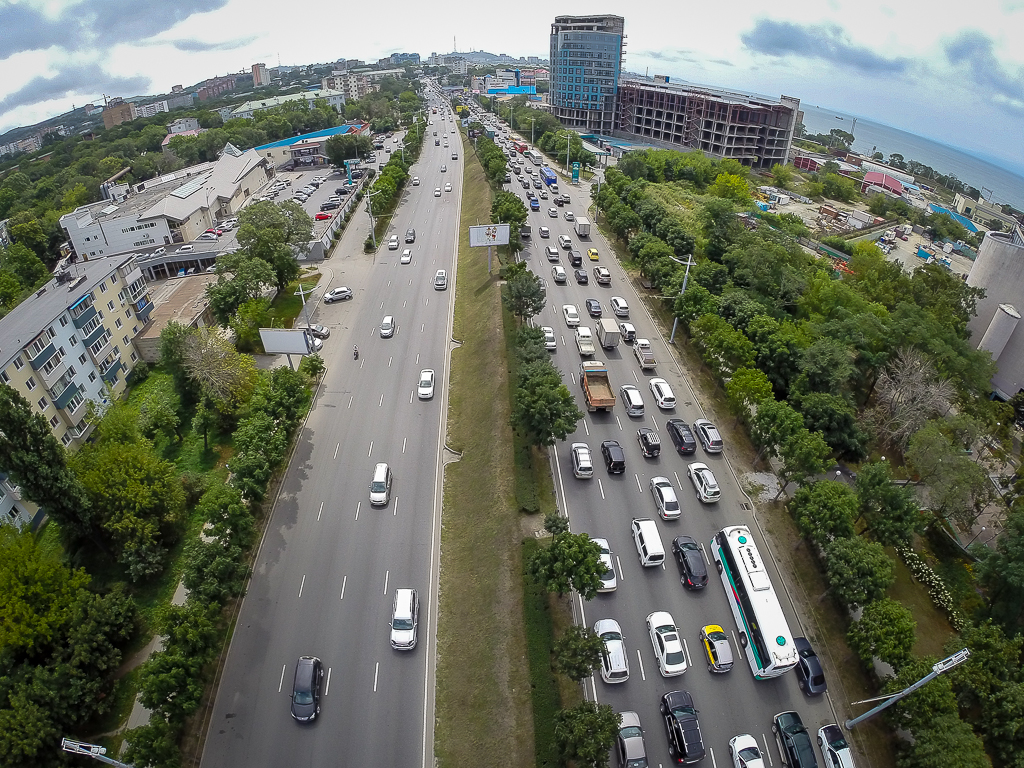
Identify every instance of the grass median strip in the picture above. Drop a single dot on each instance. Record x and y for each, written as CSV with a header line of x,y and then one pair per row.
x,y
484,714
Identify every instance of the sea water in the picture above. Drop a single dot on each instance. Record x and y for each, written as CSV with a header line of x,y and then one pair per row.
x,y
1005,185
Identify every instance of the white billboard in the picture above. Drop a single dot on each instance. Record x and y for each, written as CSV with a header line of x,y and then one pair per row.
x,y
286,341
488,234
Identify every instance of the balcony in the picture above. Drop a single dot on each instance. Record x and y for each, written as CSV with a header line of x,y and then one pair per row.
x,y
66,396
82,312
111,370
55,373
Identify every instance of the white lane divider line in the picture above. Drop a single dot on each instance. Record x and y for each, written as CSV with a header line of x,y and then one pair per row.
x,y
303,584
280,684
320,513
358,505
600,487
344,581
327,688
371,450
376,670
387,575
640,661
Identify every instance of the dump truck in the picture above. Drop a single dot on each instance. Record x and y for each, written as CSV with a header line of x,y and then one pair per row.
x,y
608,333
597,389
582,227
585,341
644,354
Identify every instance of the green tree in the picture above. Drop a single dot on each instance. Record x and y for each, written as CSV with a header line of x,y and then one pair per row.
x,y
543,408
577,653
723,348
240,278
773,426
36,461
276,234
342,148
802,456
934,700
523,295
885,630
782,176
570,562
944,736
835,417
1001,573
747,388
858,571
730,187
221,373
138,498
155,744
891,511
507,208
247,321
825,511
158,414
586,733
175,339
20,261
29,233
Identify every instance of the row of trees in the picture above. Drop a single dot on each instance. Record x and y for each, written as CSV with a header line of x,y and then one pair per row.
x,y
545,130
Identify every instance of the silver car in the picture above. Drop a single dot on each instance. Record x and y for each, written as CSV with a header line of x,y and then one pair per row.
x,y
630,748
387,327
608,580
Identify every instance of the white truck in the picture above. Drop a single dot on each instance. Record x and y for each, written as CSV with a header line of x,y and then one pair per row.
x,y
644,354
582,227
585,341
608,333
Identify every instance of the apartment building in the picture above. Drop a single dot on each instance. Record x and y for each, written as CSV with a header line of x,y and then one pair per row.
x,y
260,76
118,111
72,340
756,131
353,86
586,62
334,99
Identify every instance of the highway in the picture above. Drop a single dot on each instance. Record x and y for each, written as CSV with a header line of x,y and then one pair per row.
x,y
728,704
326,571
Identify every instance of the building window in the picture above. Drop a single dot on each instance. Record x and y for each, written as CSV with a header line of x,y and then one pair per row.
x,y
66,439
74,341
82,358
92,377
63,321
18,364
134,357
31,383
118,323
73,405
4,377
135,330
127,341
42,403
54,421
103,287
110,305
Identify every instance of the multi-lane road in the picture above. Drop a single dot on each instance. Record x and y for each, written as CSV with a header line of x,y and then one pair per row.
x,y
326,571
729,704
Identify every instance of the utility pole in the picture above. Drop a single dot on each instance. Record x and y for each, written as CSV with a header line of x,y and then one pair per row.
x,y
90,750
675,322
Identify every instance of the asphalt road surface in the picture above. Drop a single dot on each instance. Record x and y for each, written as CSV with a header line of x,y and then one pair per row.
x,y
327,569
728,704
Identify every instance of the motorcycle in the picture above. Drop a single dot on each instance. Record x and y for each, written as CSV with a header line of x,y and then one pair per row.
x,y
355,353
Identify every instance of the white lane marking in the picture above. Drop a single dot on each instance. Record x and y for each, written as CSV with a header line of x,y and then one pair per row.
x,y
405,304
381,401
336,449
382,305
327,688
303,584
766,750
376,670
714,762
638,486
344,581
618,422
410,397
404,441
358,505
318,514
371,450
387,575
635,377
619,565
686,650
422,326
280,685
395,513
391,360
350,399
705,552
640,660
600,487
417,358
586,427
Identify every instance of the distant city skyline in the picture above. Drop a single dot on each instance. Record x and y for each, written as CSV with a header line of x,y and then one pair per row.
x,y
909,65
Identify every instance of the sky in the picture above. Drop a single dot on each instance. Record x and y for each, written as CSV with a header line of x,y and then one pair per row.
x,y
953,73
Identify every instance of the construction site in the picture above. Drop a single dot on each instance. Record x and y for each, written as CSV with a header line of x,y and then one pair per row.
x,y
756,131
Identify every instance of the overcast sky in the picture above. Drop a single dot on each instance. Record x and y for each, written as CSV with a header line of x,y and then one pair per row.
x,y
951,73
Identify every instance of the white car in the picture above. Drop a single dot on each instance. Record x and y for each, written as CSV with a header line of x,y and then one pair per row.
x,y
582,461
387,327
614,660
448,187
571,315
668,648
425,387
619,306
549,337
393,243
543,231
608,580
407,256
553,213
704,482
444,168
663,394
745,753
834,747
569,216
340,293
558,274
437,191
415,181
186,249
665,498
628,332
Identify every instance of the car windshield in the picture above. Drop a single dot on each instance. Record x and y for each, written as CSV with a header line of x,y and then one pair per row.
x,y
401,624
716,635
378,486
611,636
303,697
426,381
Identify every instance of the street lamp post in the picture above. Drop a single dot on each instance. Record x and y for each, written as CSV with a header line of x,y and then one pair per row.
x,y
975,537
532,121
675,322
568,137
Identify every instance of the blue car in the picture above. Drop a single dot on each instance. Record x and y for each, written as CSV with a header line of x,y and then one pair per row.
x,y
534,204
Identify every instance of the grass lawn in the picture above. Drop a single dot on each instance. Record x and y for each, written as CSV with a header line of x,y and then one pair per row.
x,y
287,305
483,689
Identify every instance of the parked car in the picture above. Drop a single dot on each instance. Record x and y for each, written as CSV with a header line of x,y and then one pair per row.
x,y
320,331
337,294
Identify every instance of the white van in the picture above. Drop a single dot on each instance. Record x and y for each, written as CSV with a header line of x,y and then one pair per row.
x,y
405,619
648,541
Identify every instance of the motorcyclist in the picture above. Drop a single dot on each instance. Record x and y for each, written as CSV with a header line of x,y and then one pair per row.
x,y
355,352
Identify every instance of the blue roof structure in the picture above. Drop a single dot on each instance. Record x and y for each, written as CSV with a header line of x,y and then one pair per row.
x,y
339,130
963,221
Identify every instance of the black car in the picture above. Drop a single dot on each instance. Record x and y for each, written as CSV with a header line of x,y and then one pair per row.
x,y
508,178
794,741
576,258
581,278
650,443
693,571
614,457
809,673
682,437
329,206
593,305
685,744
558,201
309,676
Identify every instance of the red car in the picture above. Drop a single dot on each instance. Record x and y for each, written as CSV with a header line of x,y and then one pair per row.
x,y
322,216
216,232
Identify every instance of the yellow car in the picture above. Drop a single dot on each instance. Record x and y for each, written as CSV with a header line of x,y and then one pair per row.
x,y
592,253
716,647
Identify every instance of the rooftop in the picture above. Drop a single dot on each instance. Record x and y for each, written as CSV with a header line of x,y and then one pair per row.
x,y
25,321
339,130
180,299
276,101
729,97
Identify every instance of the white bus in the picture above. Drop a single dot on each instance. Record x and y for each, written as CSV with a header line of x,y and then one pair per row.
x,y
763,629
533,156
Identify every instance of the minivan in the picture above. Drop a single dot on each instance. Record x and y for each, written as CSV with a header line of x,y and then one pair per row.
x,y
565,242
632,400
410,235
614,457
648,541
309,673
405,618
380,486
